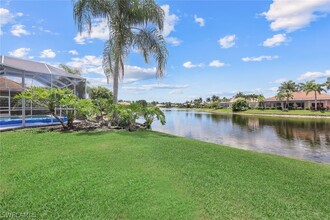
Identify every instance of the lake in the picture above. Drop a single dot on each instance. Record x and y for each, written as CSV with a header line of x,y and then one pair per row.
x,y
307,139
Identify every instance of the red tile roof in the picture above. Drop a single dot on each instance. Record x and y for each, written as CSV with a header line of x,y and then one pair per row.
x,y
6,84
301,96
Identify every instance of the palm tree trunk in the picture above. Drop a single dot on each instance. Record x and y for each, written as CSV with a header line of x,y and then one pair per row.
x,y
115,82
315,101
115,120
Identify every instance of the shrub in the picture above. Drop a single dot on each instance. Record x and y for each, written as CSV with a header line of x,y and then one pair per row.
x,y
240,105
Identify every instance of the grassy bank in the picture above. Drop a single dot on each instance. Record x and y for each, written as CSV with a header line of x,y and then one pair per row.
x,y
149,175
270,112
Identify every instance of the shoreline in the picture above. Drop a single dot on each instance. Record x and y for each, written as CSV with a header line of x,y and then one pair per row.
x,y
261,114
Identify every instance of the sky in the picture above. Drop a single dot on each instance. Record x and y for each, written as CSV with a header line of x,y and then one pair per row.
x,y
216,47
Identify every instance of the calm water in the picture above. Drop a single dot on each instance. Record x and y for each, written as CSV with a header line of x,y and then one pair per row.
x,y
307,139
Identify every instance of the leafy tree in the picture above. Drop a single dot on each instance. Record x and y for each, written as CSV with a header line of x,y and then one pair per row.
x,y
224,99
311,86
285,91
142,102
52,98
240,105
215,98
240,95
102,99
132,24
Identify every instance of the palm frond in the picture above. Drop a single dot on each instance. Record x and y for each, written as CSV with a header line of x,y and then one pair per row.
x,y
150,41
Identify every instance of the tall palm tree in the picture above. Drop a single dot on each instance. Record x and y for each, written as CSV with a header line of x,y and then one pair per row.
x,y
327,83
132,24
286,89
311,86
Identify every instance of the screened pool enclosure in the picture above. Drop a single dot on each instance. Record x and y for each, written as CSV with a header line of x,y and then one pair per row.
x,y
17,74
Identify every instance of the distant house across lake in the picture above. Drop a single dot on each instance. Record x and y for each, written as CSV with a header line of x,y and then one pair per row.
x,y
300,100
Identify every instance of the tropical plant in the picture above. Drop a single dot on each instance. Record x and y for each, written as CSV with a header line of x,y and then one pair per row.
x,y
311,86
152,113
239,105
261,100
50,99
286,90
132,24
102,99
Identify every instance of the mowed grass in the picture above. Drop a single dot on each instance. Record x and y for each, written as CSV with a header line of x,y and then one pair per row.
x,y
149,175
270,112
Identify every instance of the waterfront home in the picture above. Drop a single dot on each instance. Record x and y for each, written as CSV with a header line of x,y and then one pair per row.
x,y
300,100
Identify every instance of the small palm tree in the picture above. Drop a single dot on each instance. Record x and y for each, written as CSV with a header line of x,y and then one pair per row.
x,y
261,100
285,91
132,24
280,96
311,86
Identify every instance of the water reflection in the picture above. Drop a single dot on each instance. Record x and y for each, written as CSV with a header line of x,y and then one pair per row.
x,y
300,138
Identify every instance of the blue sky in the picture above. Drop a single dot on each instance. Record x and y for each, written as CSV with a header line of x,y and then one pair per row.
x,y
215,47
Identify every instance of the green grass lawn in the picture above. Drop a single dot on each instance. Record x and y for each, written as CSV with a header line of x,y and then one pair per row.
x,y
149,175
270,112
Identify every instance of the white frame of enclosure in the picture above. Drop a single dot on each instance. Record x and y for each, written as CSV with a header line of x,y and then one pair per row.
x,y
53,83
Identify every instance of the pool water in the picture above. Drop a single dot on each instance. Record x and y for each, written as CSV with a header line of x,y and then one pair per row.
x,y
13,122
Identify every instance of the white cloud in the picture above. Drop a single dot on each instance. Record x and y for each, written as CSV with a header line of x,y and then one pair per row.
x,y
19,30
201,21
20,52
176,91
314,75
227,41
275,41
280,80
258,59
5,16
73,52
216,63
47,31
291,15
99,31
173,40
149,87
93,64
48,53
189,65
170,21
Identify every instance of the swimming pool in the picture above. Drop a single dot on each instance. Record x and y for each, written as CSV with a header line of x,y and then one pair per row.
x,y
15,122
